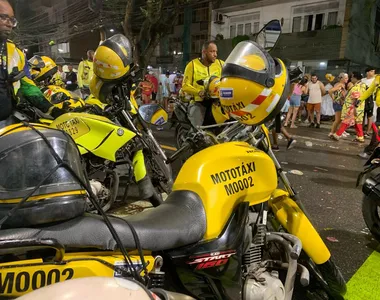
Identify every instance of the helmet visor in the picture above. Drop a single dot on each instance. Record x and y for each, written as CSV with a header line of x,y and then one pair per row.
x,y
36,62
124,45
249,61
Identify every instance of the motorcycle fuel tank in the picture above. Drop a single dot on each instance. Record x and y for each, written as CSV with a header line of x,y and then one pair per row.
x,y
225,175
95,134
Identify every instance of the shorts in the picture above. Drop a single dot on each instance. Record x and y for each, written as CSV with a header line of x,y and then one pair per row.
x,y
337,106
368,109
314,106
295,100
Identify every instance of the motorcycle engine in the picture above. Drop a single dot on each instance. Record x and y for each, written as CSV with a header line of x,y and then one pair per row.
x,y
267,286
260,284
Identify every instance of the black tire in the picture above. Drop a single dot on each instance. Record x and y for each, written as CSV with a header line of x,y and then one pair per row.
x,y
180,135
370,212
336,284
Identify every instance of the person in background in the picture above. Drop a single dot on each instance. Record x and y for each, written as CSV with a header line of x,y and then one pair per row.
x,y
71,79
316,90
327,108
353,110
153,79
85,72
338,93
15,80
295,102
200,69
304,98
178,83
59,78
369,103
280,129
165,90
147,89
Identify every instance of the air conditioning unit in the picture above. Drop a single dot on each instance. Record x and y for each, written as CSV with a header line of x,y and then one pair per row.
x,y
219,19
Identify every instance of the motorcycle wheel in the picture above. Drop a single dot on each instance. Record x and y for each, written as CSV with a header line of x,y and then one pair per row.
x,y
180,135
371,215
160,172
325,278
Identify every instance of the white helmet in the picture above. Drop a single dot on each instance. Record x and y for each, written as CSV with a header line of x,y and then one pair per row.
x,y
94,288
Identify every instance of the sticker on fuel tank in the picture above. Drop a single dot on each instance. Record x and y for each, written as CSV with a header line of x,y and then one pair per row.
x,y
239,184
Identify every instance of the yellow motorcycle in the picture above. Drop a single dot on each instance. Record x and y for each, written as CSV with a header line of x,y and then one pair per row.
x,y
226,218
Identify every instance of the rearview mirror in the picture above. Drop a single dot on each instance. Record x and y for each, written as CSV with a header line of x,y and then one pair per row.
x,y
269,35
153,114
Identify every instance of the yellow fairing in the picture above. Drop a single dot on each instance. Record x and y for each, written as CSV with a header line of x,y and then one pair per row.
x,y
22,277
225,175
134,105
94,134
139,169
295,222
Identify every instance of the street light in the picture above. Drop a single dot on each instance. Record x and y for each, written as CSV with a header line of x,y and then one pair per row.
x,y
112,30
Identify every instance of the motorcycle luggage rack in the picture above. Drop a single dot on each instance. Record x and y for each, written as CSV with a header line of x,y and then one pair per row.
x,y
13,246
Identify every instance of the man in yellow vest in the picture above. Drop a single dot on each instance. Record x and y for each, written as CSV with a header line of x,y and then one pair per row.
x,y
15,79
85,72
196,70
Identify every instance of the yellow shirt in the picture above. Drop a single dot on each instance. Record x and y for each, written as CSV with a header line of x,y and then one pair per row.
x,y
85,72
195,71
373,90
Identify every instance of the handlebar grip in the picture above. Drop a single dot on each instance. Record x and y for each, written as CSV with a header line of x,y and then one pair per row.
x,y
176,154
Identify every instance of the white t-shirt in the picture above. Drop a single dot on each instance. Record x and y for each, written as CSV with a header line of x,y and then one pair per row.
x,y
367,81
315,93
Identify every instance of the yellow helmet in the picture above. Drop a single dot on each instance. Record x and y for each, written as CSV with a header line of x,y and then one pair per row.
x,y
42,67
212,87
62,98
113,57
254,86
100,89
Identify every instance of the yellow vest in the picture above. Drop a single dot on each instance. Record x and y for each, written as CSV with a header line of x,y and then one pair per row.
x,y
195,71
15,59
85,72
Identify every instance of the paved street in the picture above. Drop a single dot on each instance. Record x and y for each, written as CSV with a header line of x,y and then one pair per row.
x,y
327,187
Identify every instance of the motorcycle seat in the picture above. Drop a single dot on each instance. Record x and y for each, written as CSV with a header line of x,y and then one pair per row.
x,y
179,221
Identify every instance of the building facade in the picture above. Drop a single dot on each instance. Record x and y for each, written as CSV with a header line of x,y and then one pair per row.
x,y
320,36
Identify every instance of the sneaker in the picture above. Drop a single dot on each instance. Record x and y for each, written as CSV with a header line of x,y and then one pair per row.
x,y
364,155
275,148
311,125
306,121
335,137
291,144
367,135
318,125
293,126
359,139
345,134
285,125
330,134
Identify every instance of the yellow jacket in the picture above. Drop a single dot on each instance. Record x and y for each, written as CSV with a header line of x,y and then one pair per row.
x,y
195,71
85,72
373,90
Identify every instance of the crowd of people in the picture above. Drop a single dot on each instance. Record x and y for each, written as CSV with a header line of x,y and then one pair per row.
x,y
338,98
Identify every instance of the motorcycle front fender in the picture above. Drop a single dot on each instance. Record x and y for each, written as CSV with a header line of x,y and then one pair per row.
x,y
294,220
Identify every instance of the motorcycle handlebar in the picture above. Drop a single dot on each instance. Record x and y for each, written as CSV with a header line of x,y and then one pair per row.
x,y
176,154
